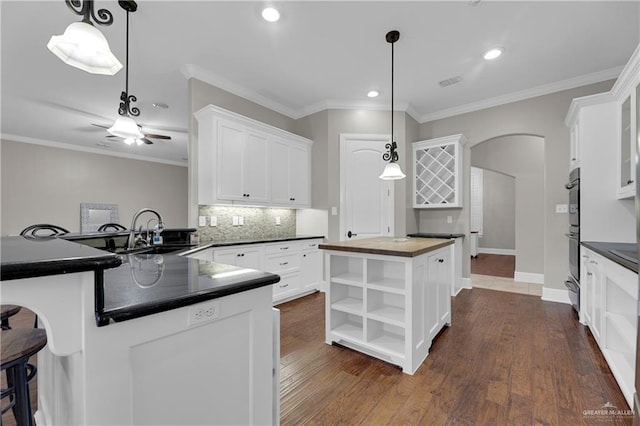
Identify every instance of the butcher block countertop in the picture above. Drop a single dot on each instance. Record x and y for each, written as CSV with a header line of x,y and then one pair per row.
x,y
389,246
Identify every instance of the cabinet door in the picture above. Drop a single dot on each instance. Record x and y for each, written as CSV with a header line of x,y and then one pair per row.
x,y
279,172
299,170
431,294
444,286
229,162
311,269
255,187
593,309
250,257
226,256
574,147
437,167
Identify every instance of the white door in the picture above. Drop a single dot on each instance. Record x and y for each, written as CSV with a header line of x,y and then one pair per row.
x,y
366,201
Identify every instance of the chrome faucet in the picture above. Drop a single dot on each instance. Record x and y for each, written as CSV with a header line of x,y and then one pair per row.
x,y
133,240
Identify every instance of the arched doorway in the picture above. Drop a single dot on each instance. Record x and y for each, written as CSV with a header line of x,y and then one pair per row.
x,y
513,212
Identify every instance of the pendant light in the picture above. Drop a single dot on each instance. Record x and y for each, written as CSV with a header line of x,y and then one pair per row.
x,y
82,45
392,170
125,126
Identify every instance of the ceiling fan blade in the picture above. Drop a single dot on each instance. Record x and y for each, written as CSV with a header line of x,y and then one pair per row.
x,y
151,135
147,141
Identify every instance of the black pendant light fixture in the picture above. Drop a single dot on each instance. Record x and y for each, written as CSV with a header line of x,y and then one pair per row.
x,y
82,45
125,126
392,170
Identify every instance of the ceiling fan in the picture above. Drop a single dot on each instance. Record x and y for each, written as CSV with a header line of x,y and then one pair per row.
x,y
145,139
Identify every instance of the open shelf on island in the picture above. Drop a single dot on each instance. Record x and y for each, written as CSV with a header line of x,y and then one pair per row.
x,y
347,270
386,307
386,337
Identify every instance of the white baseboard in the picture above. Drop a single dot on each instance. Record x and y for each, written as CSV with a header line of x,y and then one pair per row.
x,y
528,277
462,283
556,295
509,252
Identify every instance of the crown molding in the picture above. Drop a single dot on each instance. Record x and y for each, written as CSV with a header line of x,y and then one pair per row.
x,y
61,145
546,89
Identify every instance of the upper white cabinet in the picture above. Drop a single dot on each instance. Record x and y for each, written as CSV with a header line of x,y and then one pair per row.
x,y
627,90
242,161
289,173
437,170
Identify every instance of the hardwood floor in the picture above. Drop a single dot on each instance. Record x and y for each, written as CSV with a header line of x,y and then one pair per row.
x,y
507,359
496,265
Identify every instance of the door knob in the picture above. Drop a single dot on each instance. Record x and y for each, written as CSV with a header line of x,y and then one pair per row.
x,y
351,234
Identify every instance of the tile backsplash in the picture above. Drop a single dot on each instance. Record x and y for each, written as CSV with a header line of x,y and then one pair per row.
x,y
259,223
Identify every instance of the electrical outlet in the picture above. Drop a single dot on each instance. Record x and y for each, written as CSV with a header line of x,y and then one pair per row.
x,y
562,208
449,219
277,220
213,221
202,221
240,220
235,221
203,312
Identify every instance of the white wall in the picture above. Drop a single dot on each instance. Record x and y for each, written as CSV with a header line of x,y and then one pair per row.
x,y
43,184
542,116
498,211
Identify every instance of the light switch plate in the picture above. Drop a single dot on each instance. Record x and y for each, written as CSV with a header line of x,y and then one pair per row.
x,y
235,221
202,221
277,220
240,220
562,208
213,221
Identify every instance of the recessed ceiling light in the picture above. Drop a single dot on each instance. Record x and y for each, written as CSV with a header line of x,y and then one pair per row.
x,y
493,53
270,14
373,93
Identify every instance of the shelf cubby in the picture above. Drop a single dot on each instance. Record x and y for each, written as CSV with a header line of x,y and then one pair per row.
x,y
347,270
386,337
386,307
347,325
386,275
347,298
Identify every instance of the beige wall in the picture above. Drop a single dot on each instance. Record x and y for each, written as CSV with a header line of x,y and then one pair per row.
x,y
542,116
521,156
498,211
42,184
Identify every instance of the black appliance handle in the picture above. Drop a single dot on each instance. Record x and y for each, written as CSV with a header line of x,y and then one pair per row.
x,y
573,235
571,184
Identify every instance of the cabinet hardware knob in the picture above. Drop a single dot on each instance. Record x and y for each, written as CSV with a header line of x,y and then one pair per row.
x,y
283,286
441,260
304,255
284,263
629,182
284,248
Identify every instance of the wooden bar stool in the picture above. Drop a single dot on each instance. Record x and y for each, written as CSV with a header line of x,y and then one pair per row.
x,y
7,311
18,345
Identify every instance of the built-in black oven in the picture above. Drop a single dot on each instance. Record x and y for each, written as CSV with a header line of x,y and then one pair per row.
x,y
573,283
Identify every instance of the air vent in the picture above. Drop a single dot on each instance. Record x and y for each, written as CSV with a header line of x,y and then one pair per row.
x,y
450,81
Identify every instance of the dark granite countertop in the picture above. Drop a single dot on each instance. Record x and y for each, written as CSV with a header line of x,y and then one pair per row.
x,y
150,283
27,258
129,286
435,235
604,249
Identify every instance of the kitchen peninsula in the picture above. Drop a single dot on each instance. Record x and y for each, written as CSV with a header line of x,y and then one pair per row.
x,y
145,337
388,297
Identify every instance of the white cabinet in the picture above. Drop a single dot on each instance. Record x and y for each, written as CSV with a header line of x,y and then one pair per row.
x,y
627,90
609,307
247,256
389,307
242,164
437,170
574,145
245,162
298,262
289,173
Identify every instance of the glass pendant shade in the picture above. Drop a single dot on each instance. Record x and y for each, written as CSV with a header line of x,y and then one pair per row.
x,y
125,127
392,171
83,46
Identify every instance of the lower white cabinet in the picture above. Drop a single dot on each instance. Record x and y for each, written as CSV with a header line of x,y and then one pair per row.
x,y
609,307
298,262
389,307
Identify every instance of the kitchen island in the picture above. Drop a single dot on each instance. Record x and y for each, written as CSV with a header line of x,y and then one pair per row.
x,y
388,297
145,338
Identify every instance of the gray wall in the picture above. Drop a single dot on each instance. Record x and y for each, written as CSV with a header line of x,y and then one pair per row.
x,y
42,184
543,116
498,210
521,156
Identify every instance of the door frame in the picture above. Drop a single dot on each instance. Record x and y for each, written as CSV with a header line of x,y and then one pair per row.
x,y
344,138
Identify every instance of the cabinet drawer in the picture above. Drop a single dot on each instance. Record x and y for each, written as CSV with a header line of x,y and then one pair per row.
x,y
310,244
277,264
282,248
288,284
